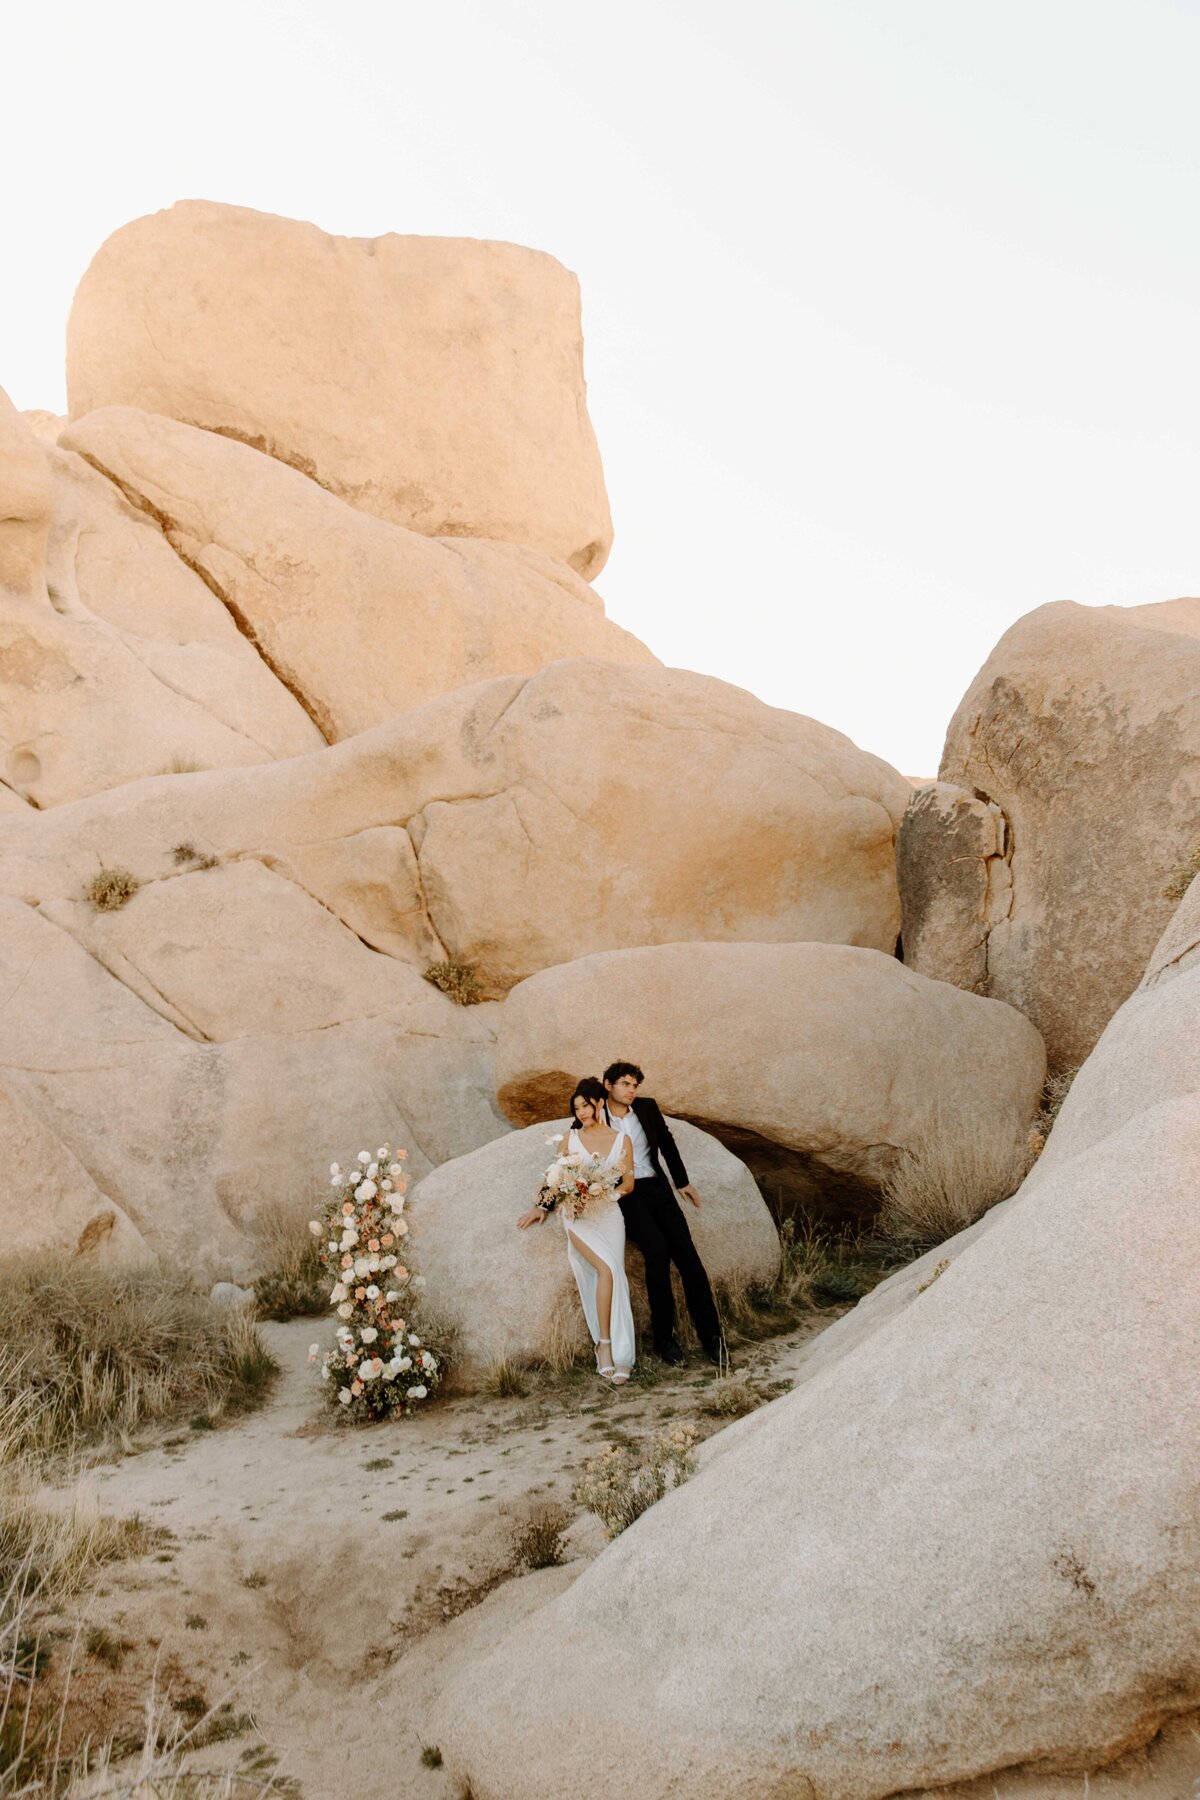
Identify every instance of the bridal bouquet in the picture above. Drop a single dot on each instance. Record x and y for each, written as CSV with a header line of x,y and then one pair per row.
x,y
380,1365
580,1185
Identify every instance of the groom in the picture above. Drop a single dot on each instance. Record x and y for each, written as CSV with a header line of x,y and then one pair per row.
x,y
654,1219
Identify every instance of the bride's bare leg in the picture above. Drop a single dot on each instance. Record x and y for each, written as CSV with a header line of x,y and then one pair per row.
x,y
604,1292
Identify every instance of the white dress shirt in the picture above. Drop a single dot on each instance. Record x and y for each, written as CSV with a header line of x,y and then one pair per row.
x,y
635,1131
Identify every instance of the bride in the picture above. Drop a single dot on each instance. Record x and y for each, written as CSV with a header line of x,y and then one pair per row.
x,y
596,1243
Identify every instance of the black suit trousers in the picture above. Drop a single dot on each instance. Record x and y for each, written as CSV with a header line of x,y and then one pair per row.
x,y
654,1221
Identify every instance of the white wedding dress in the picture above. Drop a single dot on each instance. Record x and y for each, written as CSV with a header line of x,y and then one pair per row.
x,y
604,1235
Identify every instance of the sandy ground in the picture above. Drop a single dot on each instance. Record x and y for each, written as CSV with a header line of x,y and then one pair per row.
x,y
322,1580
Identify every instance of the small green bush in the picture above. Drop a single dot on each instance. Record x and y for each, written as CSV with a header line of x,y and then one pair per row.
x,y
457,980
111,889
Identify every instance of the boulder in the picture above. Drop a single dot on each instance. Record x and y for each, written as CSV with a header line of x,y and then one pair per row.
x,y
85,707
955,883
358,618
49,1204
510,1294
813,1061
127,664
968,1544
435,382
25,506
44,425
1083,729
192,1139
720,818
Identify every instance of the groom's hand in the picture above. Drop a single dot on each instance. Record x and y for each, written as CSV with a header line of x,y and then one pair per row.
x,y
533,1217
689,1193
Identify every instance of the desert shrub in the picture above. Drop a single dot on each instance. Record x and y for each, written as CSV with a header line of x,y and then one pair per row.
x,y
730,1398
948,1178
100,1351
183,854
111,888
620,1484
815,1270
292,1284
457,980
1182,878
537,1544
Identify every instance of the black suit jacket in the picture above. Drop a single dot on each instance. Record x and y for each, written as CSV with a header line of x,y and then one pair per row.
x,y
663,1148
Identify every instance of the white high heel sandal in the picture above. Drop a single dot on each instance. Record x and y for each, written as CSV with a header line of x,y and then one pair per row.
x,y
606,1370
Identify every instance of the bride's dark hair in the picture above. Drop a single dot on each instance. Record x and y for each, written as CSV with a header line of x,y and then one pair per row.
x,y
588,1089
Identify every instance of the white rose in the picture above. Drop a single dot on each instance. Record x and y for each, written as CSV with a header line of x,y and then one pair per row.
x,y
364,1157
381,1153
338,1292
334,1169
366,1190
402,1362
314,1225
386,1186
331,1245
413,1338
372,1292
326,1373
401,1228
393,1169
344,1396
344,1310
372,1265
427,1361
373,1170
387,1262
368,1334
336,1182
419,1392
392,1295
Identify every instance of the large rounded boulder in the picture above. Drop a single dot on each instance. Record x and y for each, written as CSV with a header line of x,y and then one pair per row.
x,y
820,1063
435,382
1082,731
510,1296
488,826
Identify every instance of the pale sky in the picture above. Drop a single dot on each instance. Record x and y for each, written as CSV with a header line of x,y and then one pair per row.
x,y
891,307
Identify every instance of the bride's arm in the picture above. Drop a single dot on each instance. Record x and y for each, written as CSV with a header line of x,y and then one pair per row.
x,y
627,1166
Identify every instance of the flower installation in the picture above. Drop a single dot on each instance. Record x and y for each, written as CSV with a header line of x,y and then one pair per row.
x,y
380,1367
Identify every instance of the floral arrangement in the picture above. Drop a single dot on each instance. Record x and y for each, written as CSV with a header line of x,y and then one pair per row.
x,y
380,1365
577,1183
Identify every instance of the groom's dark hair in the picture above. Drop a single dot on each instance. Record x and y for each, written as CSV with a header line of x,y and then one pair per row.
x,y
615,1071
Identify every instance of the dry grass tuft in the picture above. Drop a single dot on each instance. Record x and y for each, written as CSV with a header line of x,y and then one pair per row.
x,y
505,1381
292,1285
948,1178
457,980
101,1351
111,888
